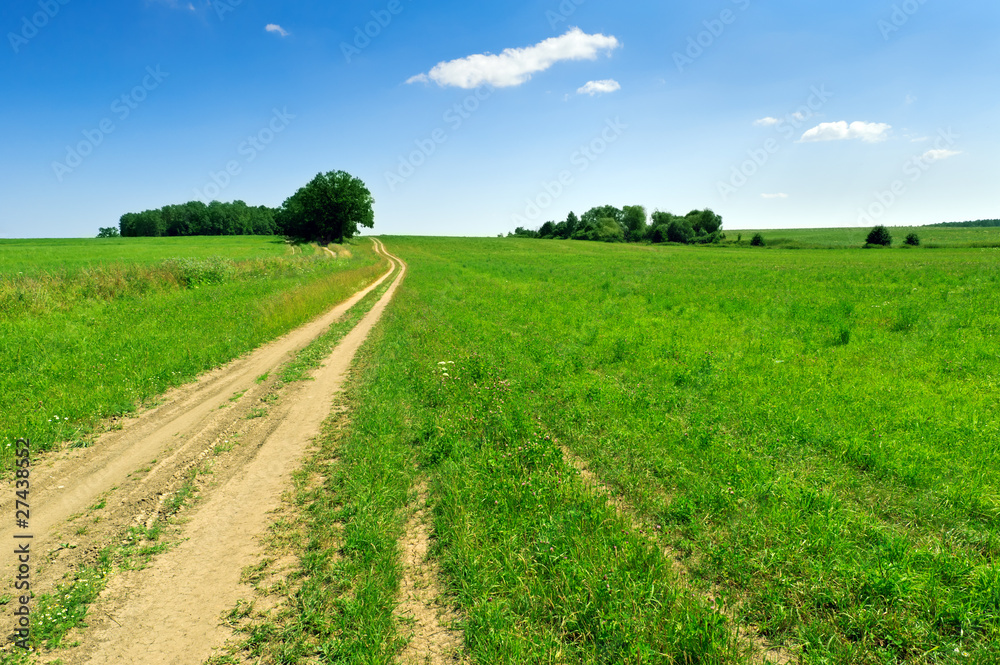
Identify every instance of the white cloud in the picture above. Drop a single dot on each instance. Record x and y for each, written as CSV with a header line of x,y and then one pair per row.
x,y
936,155
274,27
599,87
766,122
910,99
869,132
779,195
516,65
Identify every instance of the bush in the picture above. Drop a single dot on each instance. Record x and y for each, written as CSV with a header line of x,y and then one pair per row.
x,y
880,236
108,232
757,240
680,230
913,240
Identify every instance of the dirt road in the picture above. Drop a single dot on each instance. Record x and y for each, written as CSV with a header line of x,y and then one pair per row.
x,y
251,438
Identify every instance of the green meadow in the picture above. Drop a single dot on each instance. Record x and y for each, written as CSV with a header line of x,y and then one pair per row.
x,y
92,329
802,444
930,237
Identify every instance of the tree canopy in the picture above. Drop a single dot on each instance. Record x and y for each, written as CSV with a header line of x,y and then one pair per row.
x,y
632,224
331,207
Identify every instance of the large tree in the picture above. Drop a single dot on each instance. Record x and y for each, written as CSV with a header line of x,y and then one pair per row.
x,y
634,221
331,207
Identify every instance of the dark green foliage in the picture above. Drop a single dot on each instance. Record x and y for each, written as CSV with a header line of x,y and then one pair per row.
x,y
108,232
331,207
629,224
605,229
757,240
197,219
880,236
913,240
634,220
982,223
680,230
572,221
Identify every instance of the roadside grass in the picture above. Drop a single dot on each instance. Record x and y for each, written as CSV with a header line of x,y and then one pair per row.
x,y
813,431
347,525
31,257
65,368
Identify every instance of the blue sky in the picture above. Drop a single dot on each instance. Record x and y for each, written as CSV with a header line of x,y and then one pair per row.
x,y
472,118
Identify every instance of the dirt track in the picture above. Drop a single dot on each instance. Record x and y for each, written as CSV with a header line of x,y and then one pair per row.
x,y
250,436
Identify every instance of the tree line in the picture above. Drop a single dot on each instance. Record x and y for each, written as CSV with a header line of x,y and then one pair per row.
x,y
631,224
981,223
332,206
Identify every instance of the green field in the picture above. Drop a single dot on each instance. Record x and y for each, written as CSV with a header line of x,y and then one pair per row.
x,y
812,435
802,444
30,257
930,236
91,329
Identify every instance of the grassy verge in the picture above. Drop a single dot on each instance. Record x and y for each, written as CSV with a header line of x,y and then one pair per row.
x,y
65,367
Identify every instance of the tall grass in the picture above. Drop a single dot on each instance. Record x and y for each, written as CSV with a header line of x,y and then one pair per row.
x,y
79,345
813,431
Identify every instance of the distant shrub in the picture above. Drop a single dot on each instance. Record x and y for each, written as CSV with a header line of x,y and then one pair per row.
x,y
880,236
108,232
757,240
913,240
680,230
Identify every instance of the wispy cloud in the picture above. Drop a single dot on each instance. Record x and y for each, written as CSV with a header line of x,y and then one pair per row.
x,y
766,122
274,27
516,65
869,132
779,195
599,87
937,155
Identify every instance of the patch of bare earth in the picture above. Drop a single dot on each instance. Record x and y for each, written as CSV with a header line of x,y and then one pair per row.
x,y
433,640
243,437
747,637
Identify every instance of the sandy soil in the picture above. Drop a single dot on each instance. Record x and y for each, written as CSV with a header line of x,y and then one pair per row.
x,y
250,437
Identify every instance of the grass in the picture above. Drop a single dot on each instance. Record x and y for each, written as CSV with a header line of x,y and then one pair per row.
x,y
31,257
812,432
79,345
930,237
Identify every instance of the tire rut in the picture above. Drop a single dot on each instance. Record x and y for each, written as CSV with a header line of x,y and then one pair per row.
x,y
246,437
